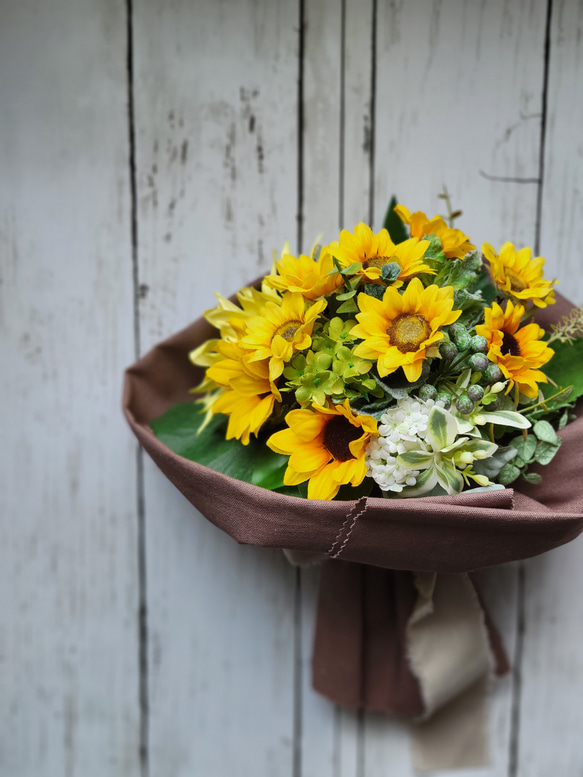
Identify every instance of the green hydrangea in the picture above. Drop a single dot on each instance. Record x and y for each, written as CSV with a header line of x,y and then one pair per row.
x,y
330,368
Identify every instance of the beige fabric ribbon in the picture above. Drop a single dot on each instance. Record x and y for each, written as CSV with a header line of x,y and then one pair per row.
x,y
450,653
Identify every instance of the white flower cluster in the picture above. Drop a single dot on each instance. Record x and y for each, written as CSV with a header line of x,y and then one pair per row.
x,y
402,428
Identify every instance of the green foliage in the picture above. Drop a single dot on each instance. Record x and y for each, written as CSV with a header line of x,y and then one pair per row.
x,y
393,224
330,368
374,290
565,369
255,463
508,474
390,272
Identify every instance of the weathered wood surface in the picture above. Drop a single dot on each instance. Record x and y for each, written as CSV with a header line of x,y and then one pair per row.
x,y
238,126
69,672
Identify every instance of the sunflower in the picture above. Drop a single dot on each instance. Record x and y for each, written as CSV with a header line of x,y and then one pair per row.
x,y
311,278
455,244
519,276
230,319
247,395
402,330
374,251
281,330
518,351
326,446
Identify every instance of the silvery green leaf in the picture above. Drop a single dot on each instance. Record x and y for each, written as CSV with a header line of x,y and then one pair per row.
x,y
544,431
390,271
525,448
563,420
415,459
545,451
441,428
508,474
375,290
503,418
491,466
449,478
491,487
532,477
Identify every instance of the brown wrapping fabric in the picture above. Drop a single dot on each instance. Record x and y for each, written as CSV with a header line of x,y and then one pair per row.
x,y
359,655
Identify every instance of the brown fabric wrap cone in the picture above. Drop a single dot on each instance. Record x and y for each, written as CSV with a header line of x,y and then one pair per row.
x,y
359,658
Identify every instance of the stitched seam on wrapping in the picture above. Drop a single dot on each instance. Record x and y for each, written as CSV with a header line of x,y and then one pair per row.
x,y
357,514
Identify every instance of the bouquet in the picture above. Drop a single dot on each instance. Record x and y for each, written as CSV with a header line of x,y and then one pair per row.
x,y
399,364
403,364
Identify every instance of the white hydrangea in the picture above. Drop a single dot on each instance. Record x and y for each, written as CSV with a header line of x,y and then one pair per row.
x,y
402,428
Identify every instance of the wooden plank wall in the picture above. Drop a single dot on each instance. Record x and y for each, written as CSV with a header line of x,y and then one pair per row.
x,y
151,153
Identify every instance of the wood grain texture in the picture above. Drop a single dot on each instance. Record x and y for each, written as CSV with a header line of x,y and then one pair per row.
x,y
552,668
434,93
459,88
321,113
443,118
68,625
336,183
216,129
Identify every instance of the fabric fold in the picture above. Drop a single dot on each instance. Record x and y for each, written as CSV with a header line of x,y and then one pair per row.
x,y
400,643
395,569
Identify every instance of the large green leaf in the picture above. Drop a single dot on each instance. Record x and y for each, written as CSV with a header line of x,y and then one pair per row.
x,y
393,224
254,463
565,368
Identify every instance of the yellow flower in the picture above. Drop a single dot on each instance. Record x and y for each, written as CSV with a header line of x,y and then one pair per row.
x,y
402,330
373,251
281,330
248,396
306,276
230,319
326,446
455,244
518,351
519,276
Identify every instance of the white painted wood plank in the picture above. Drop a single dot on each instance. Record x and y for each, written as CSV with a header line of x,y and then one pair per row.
x,y
336,173
321,181
321,86
458,93
562,205
68,629
357,112
552,684
216,99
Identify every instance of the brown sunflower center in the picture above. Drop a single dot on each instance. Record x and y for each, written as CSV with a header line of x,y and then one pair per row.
x,y
516,282
376,261
510,345
288,330
338,434
408,331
